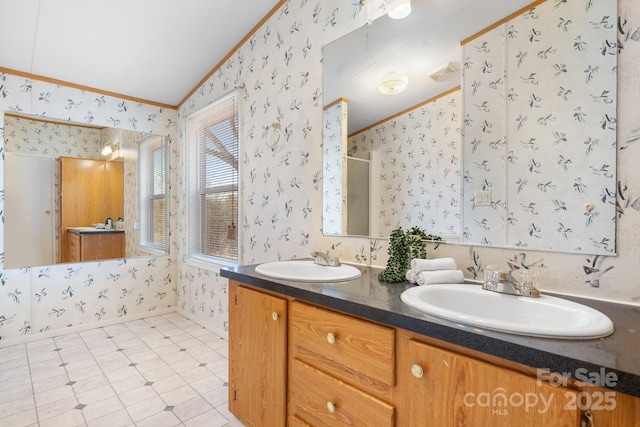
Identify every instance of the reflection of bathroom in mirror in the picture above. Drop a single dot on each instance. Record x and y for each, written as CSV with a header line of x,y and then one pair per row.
x,y
436,140
76,192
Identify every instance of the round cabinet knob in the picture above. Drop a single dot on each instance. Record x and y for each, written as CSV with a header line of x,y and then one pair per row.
x,y
331,338
417,371
331,407
274,316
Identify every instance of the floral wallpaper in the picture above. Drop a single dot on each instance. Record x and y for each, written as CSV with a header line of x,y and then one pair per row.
x,y
419,168
47,299
551,164
280,67
334,153
282,196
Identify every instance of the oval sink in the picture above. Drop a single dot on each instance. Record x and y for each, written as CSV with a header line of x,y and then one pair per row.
x,y
307,271
545,316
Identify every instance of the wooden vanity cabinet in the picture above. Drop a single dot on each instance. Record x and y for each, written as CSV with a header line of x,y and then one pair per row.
x,y
257,357
332,369
341,369
94,246
472,392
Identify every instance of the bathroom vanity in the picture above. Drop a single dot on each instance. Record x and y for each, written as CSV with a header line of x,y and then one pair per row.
x,y
352,353
91,244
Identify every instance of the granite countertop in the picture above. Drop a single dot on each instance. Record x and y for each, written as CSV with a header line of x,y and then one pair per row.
x,y
371,299
92,230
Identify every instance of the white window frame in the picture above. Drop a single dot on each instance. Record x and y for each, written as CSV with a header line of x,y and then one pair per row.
x,y
146,148
196,187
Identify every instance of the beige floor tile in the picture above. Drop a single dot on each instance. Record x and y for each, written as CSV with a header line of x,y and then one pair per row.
x,y
161,419
210,418
129,383
206,384
45,374
170,383
82,378
50,383
146,408
159,373
51,395
137,395
72,417
14,373
88,384
179,395
16,406
150,365
21,419
218,396
99,409
121,373
11,393
115,419
56,407
192,408
96,394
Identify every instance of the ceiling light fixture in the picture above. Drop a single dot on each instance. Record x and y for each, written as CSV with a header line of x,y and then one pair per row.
x,y
392,82
401,11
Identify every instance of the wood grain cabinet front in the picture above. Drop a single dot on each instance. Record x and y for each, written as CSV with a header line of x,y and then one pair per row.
x,y
94,246
323,400
341,369
445,389
354,350
257,357
294,363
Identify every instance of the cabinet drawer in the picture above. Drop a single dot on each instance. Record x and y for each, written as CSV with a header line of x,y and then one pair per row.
x,y
351,349
322,400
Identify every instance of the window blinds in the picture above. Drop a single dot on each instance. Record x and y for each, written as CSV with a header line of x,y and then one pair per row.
x,y
212,181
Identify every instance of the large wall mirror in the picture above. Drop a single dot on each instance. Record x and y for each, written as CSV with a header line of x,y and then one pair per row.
x,y
506,138
76,192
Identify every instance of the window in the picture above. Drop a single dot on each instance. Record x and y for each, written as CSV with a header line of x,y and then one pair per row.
x,y
153,187
212,182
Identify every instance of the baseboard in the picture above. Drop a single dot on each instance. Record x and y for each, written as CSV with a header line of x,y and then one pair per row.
x,y
221,333
86,326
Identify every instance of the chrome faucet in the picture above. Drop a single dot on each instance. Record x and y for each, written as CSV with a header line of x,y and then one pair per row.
x,y
328,258
507,284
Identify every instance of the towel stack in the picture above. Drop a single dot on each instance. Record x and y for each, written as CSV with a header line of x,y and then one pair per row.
x,y
431,271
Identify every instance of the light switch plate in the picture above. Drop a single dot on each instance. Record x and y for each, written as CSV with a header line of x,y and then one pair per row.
x,y
483,198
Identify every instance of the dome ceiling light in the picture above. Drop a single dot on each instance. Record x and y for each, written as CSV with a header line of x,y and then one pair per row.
x,y
401,11
392,83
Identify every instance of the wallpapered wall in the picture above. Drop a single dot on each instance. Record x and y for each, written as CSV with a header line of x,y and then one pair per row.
x,y
334,183
420,163
49,298
53,140
281,203
281,69
540,129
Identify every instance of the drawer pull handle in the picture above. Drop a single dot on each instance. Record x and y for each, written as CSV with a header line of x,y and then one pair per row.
x,y
331,407
274,316
331,339
417,371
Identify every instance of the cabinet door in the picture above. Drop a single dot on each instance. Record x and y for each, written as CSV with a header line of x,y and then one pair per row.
x,y
446,389
82,196
257,357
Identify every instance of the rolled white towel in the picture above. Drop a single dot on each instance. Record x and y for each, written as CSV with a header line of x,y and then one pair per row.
x,y
439,276
410,276
418,264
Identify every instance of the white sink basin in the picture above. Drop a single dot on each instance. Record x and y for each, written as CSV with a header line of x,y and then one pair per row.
x,y
546,316
307,271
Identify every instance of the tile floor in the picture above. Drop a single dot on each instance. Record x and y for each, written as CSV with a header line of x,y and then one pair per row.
x,y
160,371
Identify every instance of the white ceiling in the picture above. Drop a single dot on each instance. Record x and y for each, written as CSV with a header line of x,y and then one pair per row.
x,y
156,50
415,46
